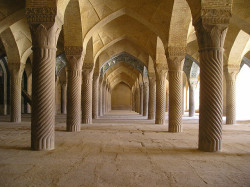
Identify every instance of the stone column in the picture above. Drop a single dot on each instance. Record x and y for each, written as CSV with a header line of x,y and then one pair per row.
x,y
152,97
161,74
145,99
74,67
211,30
230,74
100,97
137,99
141,99
87,93
45,30
103,96
192,84
16,72
64,98
175,58
95,96
133,99
29,90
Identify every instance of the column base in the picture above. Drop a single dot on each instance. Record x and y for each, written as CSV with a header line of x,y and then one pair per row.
x,y
210,146
160,121
150,118
230,122
74,128
87,121
43,145
175,128
15,120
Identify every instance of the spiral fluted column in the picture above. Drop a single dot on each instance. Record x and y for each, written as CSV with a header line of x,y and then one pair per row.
x,y
145,99
44,32
75,60
175,58
16,72
211,31
29,90
103,96
100,96
95,107
230,73
64,99
161,74
152,97
141,99
192,84
87,93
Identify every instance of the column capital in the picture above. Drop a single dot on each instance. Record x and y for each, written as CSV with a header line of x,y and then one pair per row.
x,y
161,70
75,57
45,27
231,72
211,28
175,56
192,82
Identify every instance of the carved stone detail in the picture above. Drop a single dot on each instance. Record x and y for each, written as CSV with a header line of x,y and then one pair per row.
x,y
41,15
211,31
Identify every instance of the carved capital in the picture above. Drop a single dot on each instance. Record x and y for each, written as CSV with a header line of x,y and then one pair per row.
x,y
161,71
211,28
45,35
231,72
16,69
88,67
192,82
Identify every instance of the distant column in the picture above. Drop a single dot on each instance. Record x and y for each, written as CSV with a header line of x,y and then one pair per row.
x,y
152,97
95,96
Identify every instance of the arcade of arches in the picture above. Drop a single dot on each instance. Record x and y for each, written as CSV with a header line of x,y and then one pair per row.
x,y
151,83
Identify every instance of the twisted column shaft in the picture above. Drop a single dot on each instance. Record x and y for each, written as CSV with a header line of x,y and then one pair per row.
x,y
75,60
152,98
211,35
87,95
175,101
191,100
103,96
44,39
95,96
64,99
230,73
16,72
145,99
100,97
141,99
161,73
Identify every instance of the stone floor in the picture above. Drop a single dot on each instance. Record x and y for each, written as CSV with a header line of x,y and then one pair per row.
x,y
123,149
